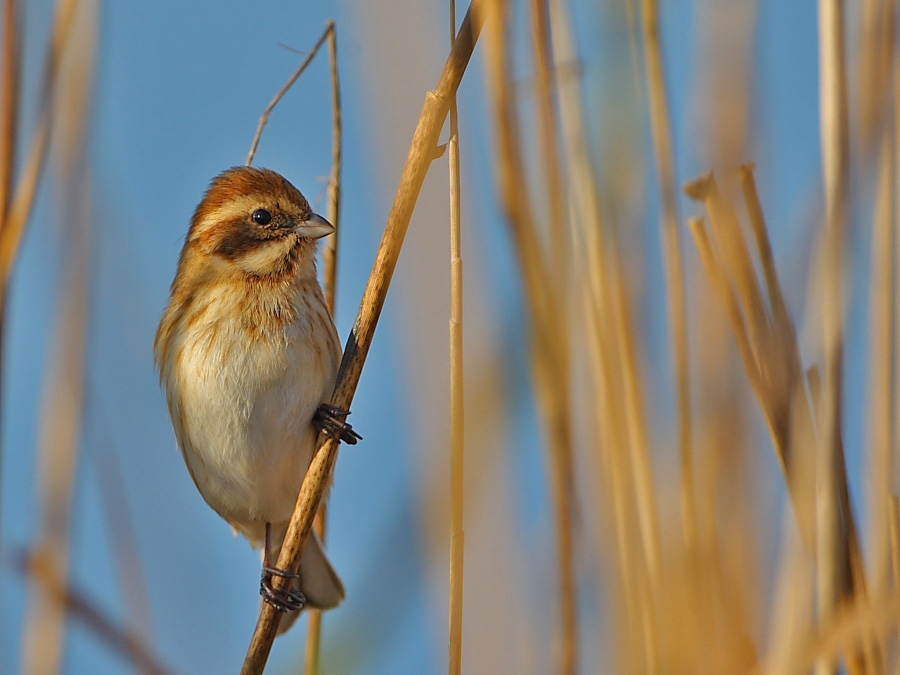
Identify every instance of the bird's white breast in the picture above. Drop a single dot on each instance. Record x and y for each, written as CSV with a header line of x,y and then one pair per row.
x,y
245,400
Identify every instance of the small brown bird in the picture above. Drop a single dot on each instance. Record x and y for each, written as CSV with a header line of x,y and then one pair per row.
x,y
247,352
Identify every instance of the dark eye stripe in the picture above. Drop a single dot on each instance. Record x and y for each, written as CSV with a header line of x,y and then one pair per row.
x,y
237,238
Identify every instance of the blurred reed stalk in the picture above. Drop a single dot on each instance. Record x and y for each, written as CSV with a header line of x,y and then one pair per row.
x,y
835,135
19,209
457,392
9,118
9,106
72,63
675,599
882,363
664,151
66,86
422,152
544,283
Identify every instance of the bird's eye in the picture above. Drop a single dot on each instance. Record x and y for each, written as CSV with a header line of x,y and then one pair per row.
x,y
262,217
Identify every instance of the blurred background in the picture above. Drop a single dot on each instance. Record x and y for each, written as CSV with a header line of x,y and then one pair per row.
x,y
626,510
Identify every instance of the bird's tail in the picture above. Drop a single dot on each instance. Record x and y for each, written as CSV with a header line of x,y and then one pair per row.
x,y
318,581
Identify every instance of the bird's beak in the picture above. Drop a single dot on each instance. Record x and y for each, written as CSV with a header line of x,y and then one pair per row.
x,y
315,227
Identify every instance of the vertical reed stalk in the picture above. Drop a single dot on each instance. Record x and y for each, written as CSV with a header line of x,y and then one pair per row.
x,y
58,456
835,166
881,361
663,146
9,119
457,393
9,105
68,78
26,187
314,632
548,351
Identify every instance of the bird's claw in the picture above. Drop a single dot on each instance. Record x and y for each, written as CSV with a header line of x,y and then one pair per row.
x,y
332,420
285,600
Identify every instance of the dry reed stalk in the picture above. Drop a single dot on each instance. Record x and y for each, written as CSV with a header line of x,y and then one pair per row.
x,y
334,181
58,462
264,118
26,187
421,154
768,346
549,160
558,274
78,606
636,539
880,396
893,500
617,424
894,532
846,632
663,146
9,105
637,456
893,460
63,397
766,340
314,631
457,393
548,349
722,576
719,280
875,65
728,40
835,169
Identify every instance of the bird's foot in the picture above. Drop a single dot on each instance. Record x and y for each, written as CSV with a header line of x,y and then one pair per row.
x,y
332,420
286,600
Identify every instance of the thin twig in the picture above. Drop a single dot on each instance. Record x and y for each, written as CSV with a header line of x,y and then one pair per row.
x,y
422,151
457,391
264,118
314,631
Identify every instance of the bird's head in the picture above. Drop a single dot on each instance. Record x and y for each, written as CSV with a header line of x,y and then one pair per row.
x,y
255,222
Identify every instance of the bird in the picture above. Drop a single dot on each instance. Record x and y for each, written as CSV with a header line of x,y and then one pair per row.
x,y
248,353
